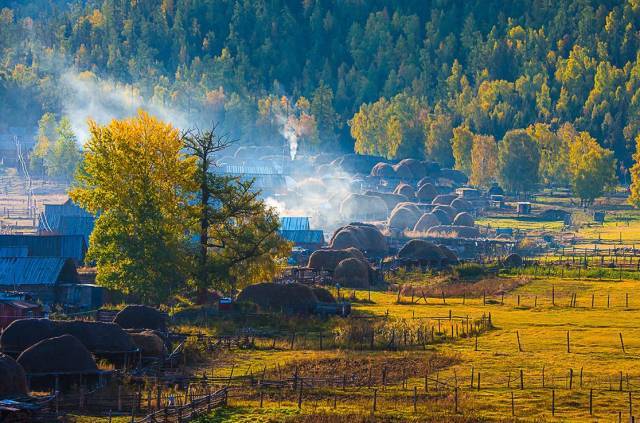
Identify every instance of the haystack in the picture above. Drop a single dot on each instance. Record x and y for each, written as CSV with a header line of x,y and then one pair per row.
x,y
61,354
403,217
359,206
353,273
391,200
21,334
452,257
141,317
383,170
13,381
461,205
513,260
454,175
405,189
427,192
442,216
422,251
451,212
454,232
357,163
362,236
403,171
292,297
444,199
97,337
415,166
495,190
428,220
150,344
431,168
323,295
464,219
328,259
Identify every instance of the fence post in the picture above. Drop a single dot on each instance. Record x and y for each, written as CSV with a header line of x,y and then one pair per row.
x,y
513,405
300,397
375,400
553,402
622,343
591,402
415,399
456,399
568,343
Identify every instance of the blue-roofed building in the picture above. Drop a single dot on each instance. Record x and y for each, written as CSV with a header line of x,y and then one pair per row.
x,y
66,219
294,223
60,246
298,230
42,277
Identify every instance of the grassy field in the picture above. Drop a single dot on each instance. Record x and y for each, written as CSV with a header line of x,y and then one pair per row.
x,y
595,358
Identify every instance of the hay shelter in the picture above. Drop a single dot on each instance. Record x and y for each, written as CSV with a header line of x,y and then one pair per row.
x,y
383,170
288,298
62,354
461,205
353,273
323,295
328,259
454,232
426,193
366,238
149,343
423,252
403,217
390,199
13,381
444,199
464,219
141,317
363,207
428,220
405,189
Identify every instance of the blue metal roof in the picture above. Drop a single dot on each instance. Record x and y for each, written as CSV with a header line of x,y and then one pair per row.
x,y
18,251
294,223
304,237
66,219
37,271
65,246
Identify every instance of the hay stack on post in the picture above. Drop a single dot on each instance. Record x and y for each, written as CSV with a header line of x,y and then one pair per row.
x,y
62,354
422,252
383,170
149,343
288,298
464,219
461,205
141,317
353,273
13,381
403,171
362,236
405,189
21,334
427,221
416,168
361,206
426,193
328,259
404,217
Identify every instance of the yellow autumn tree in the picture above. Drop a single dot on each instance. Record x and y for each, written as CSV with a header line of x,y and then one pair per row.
x,y
484,160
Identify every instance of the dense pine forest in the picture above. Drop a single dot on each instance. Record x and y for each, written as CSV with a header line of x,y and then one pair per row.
x,y
399,79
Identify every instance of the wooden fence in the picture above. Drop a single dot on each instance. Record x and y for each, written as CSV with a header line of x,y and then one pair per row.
x,y
188,412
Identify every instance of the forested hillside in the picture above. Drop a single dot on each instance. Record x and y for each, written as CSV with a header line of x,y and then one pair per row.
x,y
414,69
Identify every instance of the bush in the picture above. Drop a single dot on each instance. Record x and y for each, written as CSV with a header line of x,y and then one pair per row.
x,y
470,271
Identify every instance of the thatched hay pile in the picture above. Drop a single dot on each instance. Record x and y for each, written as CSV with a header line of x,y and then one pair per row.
x,y
61,354
416,167
464,219
353,273
383,170
358,206
452,257
362,236
323,295
357,163
328,259
454,175
405,189
450,211
461,205
149,343
513,260
275,297
454,232
422,251
21,334
431,168
13,381
403,171
404,216
391,200
427,192
443,216
141,317
428,220
444,199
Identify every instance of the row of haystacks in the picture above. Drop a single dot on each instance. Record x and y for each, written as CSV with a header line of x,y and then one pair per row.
x,y
408,216
427,253
349,266
291,298
362,236
415,170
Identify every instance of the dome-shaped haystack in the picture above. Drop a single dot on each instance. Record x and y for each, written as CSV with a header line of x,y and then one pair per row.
x,y
323,295
293,297
13,381
428,220
390,199
383,170
495,190
21,334
424,252
454,232
364,237
454,175
452,257
461,205
405,189
353,273
404,217
426,193
141,317
431,168
444,199
464,219
451,212
149,343
403,171
513,260
442,216
415,166
363,207
61,354
328,259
